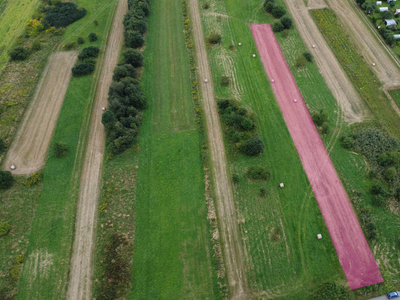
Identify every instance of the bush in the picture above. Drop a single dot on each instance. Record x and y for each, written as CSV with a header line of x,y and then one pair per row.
x,y
96,23
378,200
278,12
6,180
258,173
36,46
4,228
320,117
301,62
108,119
263,191
214,38
235,178
80,40
278,27
287,22
397,195
60,149
347,142
69,45
34,179
83,69
206,5
269,6
390,174
308,56
253,146
18,53
133,39
3,146
388,15
332,291
133,24
377,189
93,37
325,128
133,57
122,71
89,52
63,14
225,81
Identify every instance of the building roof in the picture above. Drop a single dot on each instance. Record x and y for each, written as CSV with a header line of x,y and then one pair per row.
x,y
397,11
390,22
378,2
396,36
383,9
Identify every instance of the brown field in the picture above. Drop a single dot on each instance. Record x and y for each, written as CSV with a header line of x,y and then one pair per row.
x,y
29,149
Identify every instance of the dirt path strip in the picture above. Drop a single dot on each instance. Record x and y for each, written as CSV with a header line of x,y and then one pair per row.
x,y
351,246
337,81
29,149
81,262
370,46
232,244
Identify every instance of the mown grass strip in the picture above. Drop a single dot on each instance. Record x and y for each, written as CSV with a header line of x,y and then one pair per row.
x,y
46,268
363,79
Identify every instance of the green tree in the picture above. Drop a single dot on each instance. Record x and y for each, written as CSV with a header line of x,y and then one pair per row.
x,y
308,56
278,11
81,40
18,53
93,37
390,173
133,39
6,180
3,146
133,57
213,38
286,22
253,146
278,27
122,71
269,6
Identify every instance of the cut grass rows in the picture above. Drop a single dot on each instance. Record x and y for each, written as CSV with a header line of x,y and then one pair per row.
x,y
167,222
299,265
45,271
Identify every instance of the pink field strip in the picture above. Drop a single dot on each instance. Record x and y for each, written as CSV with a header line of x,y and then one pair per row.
x,y
352,249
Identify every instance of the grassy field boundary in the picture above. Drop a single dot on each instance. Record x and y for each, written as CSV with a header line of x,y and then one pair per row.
x,y
71,165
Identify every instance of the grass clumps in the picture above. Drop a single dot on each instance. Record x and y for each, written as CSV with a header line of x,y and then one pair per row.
x,y
258,173
213,38
4,228
60,149
320,119
63,14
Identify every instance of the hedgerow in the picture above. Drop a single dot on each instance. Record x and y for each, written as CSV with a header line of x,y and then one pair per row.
x,y
126,98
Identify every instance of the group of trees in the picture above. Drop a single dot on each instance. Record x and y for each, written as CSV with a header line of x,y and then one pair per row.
x,y
278,12
240,127
63,14
126,98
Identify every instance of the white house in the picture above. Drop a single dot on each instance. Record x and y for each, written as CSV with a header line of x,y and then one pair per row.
x,y
390,23
378,2
397,11
382,9
396,36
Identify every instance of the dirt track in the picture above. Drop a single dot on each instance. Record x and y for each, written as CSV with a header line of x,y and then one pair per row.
x,y
29,149
336,79
370,47
351,246
81,262
232,245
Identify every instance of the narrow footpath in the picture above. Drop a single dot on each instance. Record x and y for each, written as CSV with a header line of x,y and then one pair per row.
x,y
82,257
232,244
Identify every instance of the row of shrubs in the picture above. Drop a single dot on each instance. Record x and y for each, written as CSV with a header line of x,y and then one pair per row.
x,y
240,127
126,98
278,12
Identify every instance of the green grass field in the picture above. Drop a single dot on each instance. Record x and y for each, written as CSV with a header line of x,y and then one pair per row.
x,y
294,262
13,18
396,96
45,271
171,257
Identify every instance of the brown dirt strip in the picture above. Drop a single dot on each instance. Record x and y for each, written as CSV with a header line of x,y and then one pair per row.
x,y
370,46
347,236
81,262
227,219
337,81
29,149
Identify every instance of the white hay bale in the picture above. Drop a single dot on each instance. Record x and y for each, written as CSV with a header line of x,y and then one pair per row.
x,y
374,64
254,55
205,80
319,236
295,100
240,44
103,108
13,167
313,46
272,80
281,185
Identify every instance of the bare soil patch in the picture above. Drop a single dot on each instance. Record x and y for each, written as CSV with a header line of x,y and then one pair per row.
x,y
29,149
232,243
370,46
337,81
82,257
